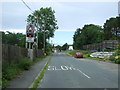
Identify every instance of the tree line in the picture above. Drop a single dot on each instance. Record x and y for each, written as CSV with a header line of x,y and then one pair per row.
x,y
91,33
14,38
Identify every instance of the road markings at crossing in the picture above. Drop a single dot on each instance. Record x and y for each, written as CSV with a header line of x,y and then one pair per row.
x,y
61,68
65,68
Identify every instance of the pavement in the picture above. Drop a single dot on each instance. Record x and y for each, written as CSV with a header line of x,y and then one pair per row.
x,y
69,72
26,78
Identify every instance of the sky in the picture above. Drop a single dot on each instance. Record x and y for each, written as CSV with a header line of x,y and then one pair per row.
x,y
69,16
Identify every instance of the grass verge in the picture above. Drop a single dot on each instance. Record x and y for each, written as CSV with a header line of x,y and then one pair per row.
x,y
40,76
10,71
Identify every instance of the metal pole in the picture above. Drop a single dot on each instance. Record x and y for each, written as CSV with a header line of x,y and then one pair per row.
x,y
26,44
29,45
37,32
44,42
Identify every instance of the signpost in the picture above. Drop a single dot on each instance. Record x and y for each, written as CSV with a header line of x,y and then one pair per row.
x,y
29,36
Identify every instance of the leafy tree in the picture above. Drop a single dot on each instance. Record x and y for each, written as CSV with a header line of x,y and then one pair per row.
x,y
58,47
87,35
45,22
92,34
78,39
13,38
65,46
112,28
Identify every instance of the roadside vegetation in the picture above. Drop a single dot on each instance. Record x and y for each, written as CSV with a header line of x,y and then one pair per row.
x,y
10,71
115,57
91,33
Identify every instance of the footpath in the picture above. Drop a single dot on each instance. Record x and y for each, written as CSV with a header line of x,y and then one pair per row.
x,y
25,79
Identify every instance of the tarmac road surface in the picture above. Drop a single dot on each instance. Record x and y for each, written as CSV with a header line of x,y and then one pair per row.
x,y
69,72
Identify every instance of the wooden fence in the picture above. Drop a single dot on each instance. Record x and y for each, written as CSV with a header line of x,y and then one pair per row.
x,y
14,53
102,45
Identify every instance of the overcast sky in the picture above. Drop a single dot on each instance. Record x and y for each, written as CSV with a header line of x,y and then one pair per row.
x,y
70,16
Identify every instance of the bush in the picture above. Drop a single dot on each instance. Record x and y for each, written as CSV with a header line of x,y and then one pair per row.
x,y
116,56
25,63
9,71
4,83
38,58
112,58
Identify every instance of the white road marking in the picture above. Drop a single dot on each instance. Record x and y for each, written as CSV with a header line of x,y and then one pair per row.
x,y
83,73
61,68
65,68
51,68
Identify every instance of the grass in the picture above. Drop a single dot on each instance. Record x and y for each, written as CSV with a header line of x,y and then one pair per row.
x,y
40,76
10,71
36,59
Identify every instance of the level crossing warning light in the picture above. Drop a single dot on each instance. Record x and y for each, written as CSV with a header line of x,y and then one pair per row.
x,y
30,31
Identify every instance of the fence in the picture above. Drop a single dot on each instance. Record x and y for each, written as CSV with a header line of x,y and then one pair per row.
x,y
13,53
102,45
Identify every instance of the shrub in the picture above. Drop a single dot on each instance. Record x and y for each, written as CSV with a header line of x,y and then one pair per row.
x,y
112,58
25,63
106,58
9,71
4,83
117,59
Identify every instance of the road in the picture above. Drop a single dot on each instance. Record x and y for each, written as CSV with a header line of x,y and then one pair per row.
x,y
69,72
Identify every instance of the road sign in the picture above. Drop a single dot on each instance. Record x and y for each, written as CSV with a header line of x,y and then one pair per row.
x,y
29,39
30,31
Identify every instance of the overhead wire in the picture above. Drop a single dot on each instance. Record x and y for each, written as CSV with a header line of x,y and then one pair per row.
x,y
27,5
32,11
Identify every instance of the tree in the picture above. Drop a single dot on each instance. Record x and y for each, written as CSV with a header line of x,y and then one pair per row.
x,y
44,19
13,38
58,47
45,22
78,39
92,33
65,46
87,35
112,28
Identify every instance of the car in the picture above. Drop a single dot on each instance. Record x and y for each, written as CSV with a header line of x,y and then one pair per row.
x,y
78,55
